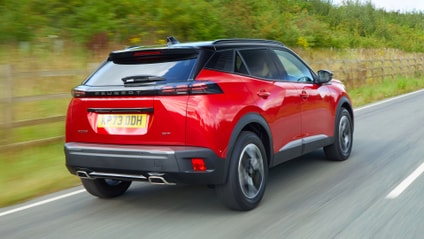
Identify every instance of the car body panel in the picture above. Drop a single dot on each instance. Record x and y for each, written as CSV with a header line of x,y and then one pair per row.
x,y
141,123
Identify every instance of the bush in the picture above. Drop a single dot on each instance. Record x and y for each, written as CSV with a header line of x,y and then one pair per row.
x,y
305,23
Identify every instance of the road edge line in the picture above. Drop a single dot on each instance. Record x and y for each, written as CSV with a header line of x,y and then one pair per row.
x,y
388,100
40,203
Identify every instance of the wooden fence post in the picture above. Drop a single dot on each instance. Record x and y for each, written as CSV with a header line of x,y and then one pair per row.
x,y
6,99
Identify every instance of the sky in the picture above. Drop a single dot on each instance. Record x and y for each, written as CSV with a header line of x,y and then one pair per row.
x,y
395,5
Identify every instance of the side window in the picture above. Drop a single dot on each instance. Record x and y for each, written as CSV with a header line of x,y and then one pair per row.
x,y
240,67
259,63
295,69
222,61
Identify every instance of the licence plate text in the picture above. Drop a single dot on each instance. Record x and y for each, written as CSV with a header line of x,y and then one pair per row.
x,y
121,121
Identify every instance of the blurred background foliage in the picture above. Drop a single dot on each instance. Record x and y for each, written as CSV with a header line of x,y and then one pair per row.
x,y
297,23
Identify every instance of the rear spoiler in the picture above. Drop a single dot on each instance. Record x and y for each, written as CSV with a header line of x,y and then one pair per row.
x,y
152,55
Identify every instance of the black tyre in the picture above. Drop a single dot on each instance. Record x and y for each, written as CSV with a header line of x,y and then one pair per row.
x,y
341,148
248,174
105,188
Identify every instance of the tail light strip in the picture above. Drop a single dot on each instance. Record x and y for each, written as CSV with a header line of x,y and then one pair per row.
x,y
192,88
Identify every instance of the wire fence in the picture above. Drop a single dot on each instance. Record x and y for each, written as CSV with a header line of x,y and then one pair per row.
x,y
357,72
352,72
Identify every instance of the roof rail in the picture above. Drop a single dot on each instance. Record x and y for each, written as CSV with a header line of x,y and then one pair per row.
x,y
245,40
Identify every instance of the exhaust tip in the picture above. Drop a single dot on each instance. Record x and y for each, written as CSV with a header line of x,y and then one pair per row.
x,y
158,178
83,174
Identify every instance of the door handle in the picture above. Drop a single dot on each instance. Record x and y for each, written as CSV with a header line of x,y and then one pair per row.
x,y
304,95
263,93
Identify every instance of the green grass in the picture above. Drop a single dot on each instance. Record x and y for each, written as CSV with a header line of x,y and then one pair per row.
x,y
35,132
384,89
32,172
40,109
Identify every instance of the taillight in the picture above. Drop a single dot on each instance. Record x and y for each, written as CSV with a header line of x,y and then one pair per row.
x,y
195,88
78,93
180,89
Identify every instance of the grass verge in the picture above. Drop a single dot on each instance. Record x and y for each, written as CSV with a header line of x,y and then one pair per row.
x,y
387,88
33,172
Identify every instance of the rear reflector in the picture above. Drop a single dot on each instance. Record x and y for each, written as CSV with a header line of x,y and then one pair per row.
x,y
198,164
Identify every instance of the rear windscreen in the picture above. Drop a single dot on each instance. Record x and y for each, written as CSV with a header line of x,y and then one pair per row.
x,y
111,74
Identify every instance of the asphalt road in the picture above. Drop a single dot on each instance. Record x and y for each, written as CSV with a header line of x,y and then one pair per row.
x,y
377,193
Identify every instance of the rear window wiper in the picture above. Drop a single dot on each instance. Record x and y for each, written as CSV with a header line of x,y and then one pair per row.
x,y
140,79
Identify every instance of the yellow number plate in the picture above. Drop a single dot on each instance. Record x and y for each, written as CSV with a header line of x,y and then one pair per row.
x,y
122,121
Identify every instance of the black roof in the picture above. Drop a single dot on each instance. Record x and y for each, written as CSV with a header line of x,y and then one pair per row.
x,y
246,41
232,42
213,45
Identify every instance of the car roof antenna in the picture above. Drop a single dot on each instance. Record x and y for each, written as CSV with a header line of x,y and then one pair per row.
x,y
171,41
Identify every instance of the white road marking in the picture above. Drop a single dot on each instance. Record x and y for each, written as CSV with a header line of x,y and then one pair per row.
x,y
388,100
41,202
406,182
412,177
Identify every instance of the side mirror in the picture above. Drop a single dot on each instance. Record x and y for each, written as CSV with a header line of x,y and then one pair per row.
x,y
324,76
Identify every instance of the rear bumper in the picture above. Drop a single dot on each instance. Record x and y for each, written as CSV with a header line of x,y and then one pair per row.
x,y
174,162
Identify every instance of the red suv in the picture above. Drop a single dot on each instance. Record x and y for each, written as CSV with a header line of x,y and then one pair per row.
x,y
217,113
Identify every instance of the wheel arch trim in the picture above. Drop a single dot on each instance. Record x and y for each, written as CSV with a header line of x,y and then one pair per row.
x,y
344,102
252,119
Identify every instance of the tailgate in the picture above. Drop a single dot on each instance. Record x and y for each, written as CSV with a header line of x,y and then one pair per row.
x,y
127,120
